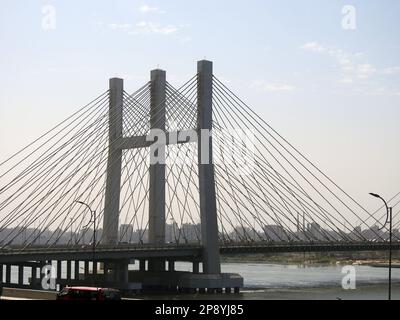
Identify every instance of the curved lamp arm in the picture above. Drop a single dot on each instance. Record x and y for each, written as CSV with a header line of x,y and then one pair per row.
x,y
387,208
91,211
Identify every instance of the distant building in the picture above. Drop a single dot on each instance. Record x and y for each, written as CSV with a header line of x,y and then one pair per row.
x,y
315,231
275,233
126,233
373,233
190,232
85,236
171,232
242,234
356,234
141,236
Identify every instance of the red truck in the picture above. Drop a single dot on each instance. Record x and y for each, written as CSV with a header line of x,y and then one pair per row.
x,y
88,293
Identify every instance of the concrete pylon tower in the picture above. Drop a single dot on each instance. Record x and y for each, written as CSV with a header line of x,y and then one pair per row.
x,y
113,182
211,278
208,211
208,207
157,170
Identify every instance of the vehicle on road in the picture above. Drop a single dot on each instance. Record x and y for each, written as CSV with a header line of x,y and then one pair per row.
x,y
88,293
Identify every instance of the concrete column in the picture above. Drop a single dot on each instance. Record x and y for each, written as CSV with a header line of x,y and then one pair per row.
x,y
171,265
106,267
113,183
59,270
86,269
69,269
123,272
208,208
33,276
8,273
196,267
76,270
157,170
114,272
21,275
94,264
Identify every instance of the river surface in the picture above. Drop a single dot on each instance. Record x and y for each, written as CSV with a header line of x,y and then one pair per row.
x,y
288,281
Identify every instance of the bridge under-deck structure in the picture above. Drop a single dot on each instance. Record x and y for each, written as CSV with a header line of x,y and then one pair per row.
x,y
74,266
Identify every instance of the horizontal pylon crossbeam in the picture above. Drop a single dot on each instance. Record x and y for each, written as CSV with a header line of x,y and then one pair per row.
x,y
143,141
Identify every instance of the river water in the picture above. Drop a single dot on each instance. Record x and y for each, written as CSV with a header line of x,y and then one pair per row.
x,y
288,281
273,281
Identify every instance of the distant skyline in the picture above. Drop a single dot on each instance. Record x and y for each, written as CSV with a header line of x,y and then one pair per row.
x,y
332,92
190,233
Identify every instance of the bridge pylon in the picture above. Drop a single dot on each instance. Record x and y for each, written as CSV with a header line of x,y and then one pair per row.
x,y
211,277
208,207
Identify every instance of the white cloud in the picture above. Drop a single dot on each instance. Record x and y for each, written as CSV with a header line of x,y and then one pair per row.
x,y
380,91
279,87
351,64
272,87
313,46
119,26
364,71
145,27
346,81
185,39
146,9
391,70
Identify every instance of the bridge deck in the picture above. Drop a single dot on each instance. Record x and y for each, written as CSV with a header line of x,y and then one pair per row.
x,y
187,252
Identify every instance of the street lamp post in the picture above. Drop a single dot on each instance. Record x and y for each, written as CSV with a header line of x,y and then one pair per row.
x,y
92,217
388,218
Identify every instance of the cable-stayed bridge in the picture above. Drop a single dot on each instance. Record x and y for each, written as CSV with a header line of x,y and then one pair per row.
x,y
168,174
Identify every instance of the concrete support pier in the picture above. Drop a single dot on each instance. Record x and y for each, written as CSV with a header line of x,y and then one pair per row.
x,y
59,270
8,273
171,265
76,270
21,275
68,270
86,269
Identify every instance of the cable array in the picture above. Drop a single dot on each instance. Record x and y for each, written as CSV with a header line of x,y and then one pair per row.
x,y
266,189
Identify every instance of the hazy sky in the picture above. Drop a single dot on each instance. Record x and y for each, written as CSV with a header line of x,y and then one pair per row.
x,y
333,92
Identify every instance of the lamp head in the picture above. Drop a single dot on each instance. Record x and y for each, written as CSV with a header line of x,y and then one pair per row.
x,y
375,195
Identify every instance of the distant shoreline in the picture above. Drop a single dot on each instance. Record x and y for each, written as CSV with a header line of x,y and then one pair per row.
x,y
368,258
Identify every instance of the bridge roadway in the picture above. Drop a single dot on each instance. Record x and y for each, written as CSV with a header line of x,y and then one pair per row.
x,y
182,252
